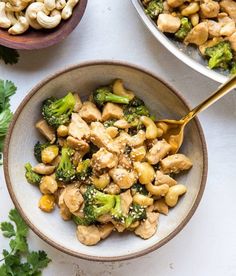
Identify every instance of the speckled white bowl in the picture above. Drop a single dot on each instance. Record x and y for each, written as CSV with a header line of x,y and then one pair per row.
x,y
163,100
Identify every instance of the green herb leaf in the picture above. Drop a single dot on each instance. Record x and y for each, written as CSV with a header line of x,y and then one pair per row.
x,y
8,55
7,89
37,260
7,229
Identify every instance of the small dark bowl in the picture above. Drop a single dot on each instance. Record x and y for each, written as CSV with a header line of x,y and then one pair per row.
x,y
38,39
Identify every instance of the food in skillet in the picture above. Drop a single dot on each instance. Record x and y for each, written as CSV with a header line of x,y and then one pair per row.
x,y
105,164
207,24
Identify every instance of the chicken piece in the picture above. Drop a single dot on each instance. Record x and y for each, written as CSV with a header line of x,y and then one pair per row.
x,y
121,141
227,26
78,103
77,144
78,128
138,154
88,235
103,159
213,28
198,35
168,23
112,111
123,178
158,152
46,130
148,228
229,7
126,201
137,139
105,230
112,131
122,123
210,9
64,210
100,138
125,162
48,184
175,163
175,3
209,43
89,112
112,189
162,178
73,198
44,169
105,218
161,207
118,226
232,40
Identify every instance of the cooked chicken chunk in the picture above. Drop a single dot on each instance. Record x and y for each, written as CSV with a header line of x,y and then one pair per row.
x,y
112,189
121,141
210,8
64,210
123,178
77,144
227,26
162,178
148,228
112,111
48,184
232,40
112,131
43,169
105,230
122,123
78,103
89,112
175,163
126,201
125,162
78,128
46,130
213,28
73,198
158,152
161,206
229,6
168,23
198,35
175,3
103,159
88,235
105,218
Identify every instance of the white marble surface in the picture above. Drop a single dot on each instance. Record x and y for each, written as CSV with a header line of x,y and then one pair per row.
x,y
111,29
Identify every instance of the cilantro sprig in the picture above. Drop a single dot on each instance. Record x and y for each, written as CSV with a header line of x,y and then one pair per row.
x,y
8,55
20,261
7,89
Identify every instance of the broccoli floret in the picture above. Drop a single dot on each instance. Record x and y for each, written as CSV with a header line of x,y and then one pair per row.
x,y
116,211
233,68
84,170
184,29
66,171
57,111
97,204
81,221
136,102
220,55
154,8
31,176
104,94
139,188
38,147
137,212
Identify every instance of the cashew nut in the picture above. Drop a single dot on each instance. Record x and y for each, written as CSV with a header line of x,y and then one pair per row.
x,y
118,89
102,181
34,8
20,27
152,131
11,16
49,22
160,190
171,198
60,4
5,22
17,6
50,4
145,172
67,10
142,200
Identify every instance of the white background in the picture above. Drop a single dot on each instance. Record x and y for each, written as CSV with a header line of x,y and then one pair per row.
x,y
111,29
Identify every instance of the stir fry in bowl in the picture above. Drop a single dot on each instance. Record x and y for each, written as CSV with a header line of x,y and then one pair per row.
x,y
105,164
207,24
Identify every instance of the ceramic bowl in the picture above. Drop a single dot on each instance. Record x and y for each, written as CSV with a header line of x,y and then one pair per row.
x,y
38,39
164,102
187,54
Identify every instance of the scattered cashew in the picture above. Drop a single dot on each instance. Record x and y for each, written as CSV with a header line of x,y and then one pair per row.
x,y
152,131
119,89
171,198
67,10
49,22
145,172
142,200
20,27
102,181
160,190
5,22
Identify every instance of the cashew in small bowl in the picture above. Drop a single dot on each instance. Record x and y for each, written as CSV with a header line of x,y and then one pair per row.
x,y
5,22
49,22
68,9
60,4
50,4
11,16
171,198
20,27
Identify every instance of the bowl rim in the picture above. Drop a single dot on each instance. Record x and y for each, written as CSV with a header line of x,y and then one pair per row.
x,y
68,26
157,245
163,39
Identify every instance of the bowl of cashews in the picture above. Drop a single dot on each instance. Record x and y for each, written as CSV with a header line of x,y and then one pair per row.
x,y
36,24
166,212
